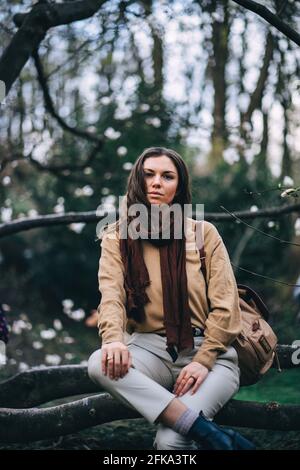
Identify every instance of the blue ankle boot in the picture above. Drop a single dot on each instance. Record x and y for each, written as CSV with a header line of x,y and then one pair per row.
x,y
215,438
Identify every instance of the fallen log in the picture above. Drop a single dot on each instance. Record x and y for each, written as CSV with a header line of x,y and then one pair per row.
x,y
22,421
27,425
40,385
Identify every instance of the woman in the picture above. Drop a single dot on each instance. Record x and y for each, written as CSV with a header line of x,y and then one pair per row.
x,y
177,368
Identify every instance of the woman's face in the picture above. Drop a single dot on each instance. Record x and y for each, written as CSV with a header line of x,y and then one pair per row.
x,y
161,179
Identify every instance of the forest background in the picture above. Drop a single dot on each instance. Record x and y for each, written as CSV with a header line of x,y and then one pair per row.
x,y
210,79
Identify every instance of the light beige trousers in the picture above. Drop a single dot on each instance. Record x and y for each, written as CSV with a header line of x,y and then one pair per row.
x,y
147,387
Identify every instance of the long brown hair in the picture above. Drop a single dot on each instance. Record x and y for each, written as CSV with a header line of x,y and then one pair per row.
x,y
136,191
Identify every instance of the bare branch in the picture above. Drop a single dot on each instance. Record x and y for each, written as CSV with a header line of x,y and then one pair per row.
x,y
25,223
241,245
257,94
32,424
21,421
43,384
33,27
271,18
28,223
50,106
265,277
58,169
258,230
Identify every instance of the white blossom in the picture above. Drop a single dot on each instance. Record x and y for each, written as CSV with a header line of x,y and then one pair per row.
x,y
69,356
67,305
77,227
6,214
144,107
77,315
32,213
127,166
121,151
105,100
19,325
57,324
288,181
48,334
6,180
154,121
23,366
297,227
68,340
110,133
53,359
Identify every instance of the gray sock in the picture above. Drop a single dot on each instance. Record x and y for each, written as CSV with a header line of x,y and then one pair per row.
x,y
186,421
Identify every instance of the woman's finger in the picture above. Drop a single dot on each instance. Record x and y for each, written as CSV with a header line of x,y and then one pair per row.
x,y
110,365
104,361
116,365
125,362
178,383
187,385
182,384
196,385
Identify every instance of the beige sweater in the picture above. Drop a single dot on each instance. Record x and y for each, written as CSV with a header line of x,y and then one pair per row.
x,y
223,323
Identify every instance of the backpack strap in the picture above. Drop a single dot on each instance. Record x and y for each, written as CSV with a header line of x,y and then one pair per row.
x,y
247,291
199,234
251,294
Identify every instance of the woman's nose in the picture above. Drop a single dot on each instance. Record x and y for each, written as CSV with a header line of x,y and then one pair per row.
x,y
156,180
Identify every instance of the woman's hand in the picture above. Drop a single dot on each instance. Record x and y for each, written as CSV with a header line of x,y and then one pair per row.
x,y
190,377
116,359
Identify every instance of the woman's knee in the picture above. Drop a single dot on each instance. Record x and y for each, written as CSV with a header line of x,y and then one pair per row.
x,y
94,366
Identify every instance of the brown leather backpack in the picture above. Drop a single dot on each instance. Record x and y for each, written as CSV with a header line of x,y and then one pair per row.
x,y
256,344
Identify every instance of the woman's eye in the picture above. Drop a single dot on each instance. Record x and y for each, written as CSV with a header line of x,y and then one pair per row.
x,y
168,177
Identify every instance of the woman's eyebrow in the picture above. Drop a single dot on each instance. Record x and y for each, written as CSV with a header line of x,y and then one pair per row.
x,y
166,171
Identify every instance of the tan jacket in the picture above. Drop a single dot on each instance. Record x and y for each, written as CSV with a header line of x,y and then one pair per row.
x,y
223,323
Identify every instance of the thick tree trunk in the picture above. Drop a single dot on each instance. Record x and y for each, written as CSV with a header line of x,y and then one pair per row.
x,y
33,424
33,27
21,421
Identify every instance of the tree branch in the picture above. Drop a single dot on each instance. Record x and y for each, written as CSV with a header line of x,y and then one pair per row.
x,y
256,229
41,423
57,169
50,106
271,18
28,223
257,94
33,424
33,27
38,385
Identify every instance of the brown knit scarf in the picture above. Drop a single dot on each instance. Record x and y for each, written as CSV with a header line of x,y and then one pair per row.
x,y
177,314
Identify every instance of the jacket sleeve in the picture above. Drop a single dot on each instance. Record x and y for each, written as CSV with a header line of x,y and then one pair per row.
x,y
223,323
111,310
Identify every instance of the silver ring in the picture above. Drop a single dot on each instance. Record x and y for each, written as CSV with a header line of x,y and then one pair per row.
x,y
109,358
194,378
